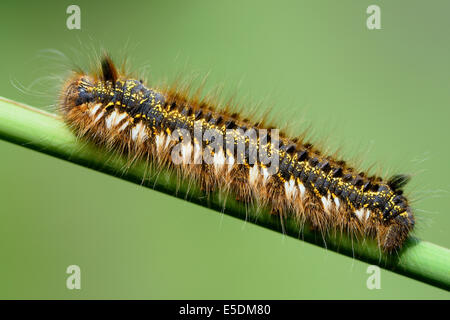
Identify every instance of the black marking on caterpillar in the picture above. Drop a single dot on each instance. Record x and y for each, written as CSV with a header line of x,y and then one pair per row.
x,y
122,113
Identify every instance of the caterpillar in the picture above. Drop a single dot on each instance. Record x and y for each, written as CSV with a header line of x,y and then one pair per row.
x,y
293,178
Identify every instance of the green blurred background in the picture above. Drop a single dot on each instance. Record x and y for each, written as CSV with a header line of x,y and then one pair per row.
x,y
382,95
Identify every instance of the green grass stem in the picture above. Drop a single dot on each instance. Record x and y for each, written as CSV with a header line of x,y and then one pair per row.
x,y
46,132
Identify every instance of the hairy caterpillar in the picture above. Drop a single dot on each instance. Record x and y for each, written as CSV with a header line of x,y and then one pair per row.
x,y
291,177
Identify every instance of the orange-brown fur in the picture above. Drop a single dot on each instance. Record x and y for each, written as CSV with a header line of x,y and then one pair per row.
x,y
311,208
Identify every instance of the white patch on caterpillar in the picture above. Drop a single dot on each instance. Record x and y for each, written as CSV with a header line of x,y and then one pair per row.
x,y
109,120
230,162
302,189
326,203
123,126
168,139
337,202
99,116
197,153
265,174
114,119
362,214
120,118
253,175
290,189
94,109
160,141
138,132
219,160
186,151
